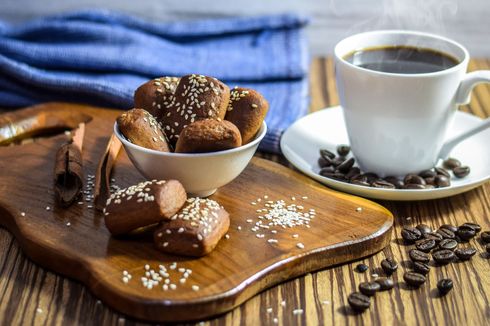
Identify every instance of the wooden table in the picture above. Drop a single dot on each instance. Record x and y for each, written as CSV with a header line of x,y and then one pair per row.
x,y
32,295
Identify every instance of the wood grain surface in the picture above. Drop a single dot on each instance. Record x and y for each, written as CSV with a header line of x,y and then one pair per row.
x,y
31,295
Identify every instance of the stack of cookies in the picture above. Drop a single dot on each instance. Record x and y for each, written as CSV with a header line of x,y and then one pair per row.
x,y
192,114
184,226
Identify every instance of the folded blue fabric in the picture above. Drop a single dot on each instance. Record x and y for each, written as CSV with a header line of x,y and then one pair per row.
x,y
100,57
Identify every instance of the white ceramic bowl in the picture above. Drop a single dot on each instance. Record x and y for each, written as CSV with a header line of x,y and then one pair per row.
x,y
200,174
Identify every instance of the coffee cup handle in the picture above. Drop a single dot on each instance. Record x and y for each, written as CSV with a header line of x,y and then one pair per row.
x,y
469,81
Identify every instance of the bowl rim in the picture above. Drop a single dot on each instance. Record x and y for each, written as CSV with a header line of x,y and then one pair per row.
x,y
258,138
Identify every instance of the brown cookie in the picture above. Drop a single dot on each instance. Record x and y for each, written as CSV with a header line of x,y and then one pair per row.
x,y
197,97
141,128
195,230
143,204
247,109
155,94
208,135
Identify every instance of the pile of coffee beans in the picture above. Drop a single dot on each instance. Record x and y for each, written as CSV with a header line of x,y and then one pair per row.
x,y
341,168
441,245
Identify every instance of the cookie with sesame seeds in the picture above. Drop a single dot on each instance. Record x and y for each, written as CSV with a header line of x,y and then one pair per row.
x,y
247,110
195,230
208,135
143,204
197,97
141,128
155,94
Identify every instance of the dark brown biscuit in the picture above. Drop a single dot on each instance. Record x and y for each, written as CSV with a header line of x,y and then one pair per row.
x,y
195,230
197,97
140,128
247,109
153,94
143,204
208,135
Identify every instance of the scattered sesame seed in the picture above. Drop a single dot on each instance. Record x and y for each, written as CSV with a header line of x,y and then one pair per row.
x,y
239,228
48,208
304,197
275,320
195,288
325,302
359,209
147,267
375,275
283,303
22,214
300,245
295,236
297,311
39,310
269,310
68,224
227,236
272,241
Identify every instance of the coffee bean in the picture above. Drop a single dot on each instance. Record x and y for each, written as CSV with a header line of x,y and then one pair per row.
x,y
449,227
389,265
395,181
414,279
449,244
343,150
465,232
487,248
424,228
414,179
338,160
446,234
430,181
417,255
441,171
444,286
474,226
371,177
326,154
442,181
426,245
369,288
461,172
451,163
353,172
410,234
333,175
361,268
324,162
428,174
485,236
346,165
443,256
465,253
421,268
434,236
360,183
385,283
359,301
382,184
413,186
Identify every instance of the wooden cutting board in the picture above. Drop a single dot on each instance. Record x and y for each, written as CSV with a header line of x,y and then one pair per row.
x,y
75,242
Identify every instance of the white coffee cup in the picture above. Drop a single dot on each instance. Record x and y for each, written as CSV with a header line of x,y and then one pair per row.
x,y
397,122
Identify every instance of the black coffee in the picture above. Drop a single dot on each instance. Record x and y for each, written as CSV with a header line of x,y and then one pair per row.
x,y
401,59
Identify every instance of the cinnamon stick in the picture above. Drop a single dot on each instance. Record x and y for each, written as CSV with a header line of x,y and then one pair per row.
x,y
68,170
103,173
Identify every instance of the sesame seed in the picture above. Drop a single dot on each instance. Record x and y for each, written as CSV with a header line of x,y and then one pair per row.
x,y
195,288
295,236
125,279
275,320
68,224
227,236
39,310
147,267
300,245
48,208
22,214
254,106
173,286
359,209
269,310
283,303
272,241
297,311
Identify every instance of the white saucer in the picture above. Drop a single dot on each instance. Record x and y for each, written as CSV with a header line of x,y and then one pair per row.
x,y
302,141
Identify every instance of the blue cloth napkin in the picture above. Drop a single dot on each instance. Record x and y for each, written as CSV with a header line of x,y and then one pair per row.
x,y
100,57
